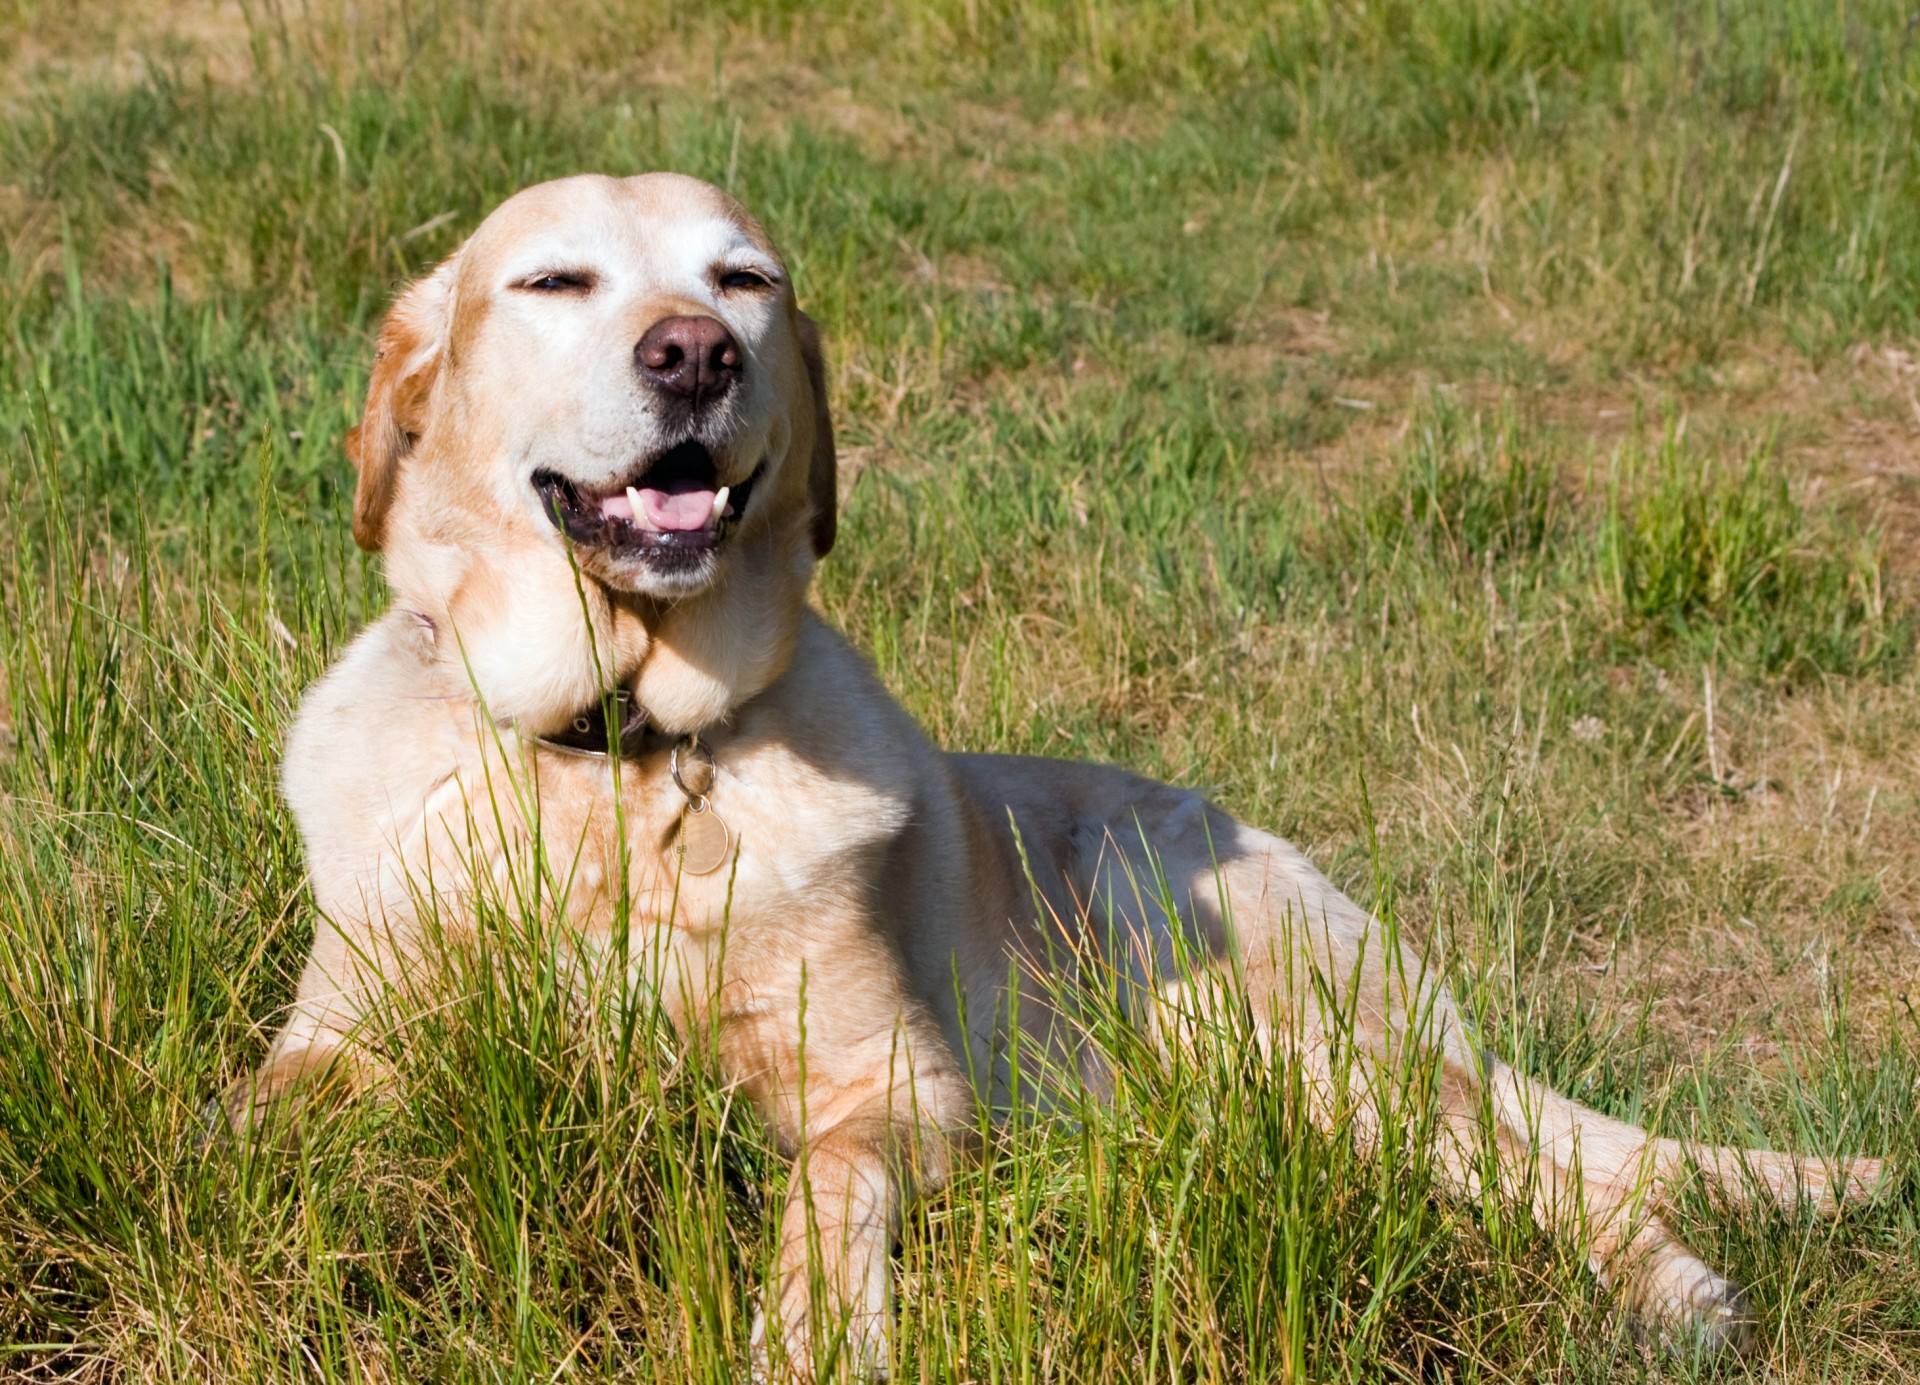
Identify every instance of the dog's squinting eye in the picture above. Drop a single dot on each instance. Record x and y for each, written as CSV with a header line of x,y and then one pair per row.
x,y
744,279
560,281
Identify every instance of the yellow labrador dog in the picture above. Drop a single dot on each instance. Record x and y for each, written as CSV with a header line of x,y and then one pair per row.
x,y
596,455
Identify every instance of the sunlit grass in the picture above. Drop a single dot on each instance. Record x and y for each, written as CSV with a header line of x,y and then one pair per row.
x,y
1215,386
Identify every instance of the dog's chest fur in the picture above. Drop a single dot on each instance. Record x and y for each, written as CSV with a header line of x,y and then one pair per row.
x,y
434,792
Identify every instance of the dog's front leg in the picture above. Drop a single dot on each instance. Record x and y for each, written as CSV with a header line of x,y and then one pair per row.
x,y
875,1109
830,1298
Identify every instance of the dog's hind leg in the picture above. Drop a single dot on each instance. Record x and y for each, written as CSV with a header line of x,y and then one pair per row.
x,y
1625,1176
1320,977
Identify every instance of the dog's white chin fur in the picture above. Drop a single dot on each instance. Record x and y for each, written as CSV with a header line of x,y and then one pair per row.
x,y
636,575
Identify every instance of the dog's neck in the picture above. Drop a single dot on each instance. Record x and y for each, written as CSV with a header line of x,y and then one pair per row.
x,y
709,654
535,641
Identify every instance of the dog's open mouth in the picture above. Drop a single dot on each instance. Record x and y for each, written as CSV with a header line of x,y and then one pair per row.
x,y
673,504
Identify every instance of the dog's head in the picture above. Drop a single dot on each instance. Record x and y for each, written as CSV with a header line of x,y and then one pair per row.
x,y
616,366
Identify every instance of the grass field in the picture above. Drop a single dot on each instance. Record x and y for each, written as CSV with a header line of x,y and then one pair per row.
x,y
1480,442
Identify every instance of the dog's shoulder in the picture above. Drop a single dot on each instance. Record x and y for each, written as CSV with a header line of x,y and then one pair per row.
x,y
372,738
828,749
392,672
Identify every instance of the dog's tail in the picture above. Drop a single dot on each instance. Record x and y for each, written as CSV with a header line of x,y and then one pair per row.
x,y
1789,1180
1602,1148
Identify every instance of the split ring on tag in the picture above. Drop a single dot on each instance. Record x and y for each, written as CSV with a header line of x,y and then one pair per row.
x,y
703,770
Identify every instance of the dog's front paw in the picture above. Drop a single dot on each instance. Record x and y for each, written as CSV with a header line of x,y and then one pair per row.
x,y
790,1342
240,1106
296,1071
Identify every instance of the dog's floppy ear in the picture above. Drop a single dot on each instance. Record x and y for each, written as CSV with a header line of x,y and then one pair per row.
x,y
822,469
406,361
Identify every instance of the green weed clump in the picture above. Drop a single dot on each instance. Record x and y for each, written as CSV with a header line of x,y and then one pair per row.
x,y
1727,561
1466,486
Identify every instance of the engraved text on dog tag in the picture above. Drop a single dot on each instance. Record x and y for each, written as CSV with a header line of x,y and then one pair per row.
x,y
704,842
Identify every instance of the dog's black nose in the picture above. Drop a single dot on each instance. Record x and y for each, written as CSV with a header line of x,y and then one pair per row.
x,y
693,357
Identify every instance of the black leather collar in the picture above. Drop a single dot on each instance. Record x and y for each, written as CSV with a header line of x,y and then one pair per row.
x,y
586,733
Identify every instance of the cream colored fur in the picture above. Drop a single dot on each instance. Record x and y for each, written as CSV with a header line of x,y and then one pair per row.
x,y
871,867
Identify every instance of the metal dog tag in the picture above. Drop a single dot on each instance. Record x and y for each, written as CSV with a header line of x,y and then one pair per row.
x,y
705,841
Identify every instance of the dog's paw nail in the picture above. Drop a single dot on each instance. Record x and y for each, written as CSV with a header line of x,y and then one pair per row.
x,y
216,1122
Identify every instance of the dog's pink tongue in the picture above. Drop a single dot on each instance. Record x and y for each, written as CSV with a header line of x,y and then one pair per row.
x,y
677,510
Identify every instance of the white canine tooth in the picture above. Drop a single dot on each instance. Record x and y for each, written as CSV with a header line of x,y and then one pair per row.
x,y
633,499
719,504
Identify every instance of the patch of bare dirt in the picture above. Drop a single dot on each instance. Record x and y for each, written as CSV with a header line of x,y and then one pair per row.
x,y
1828,816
